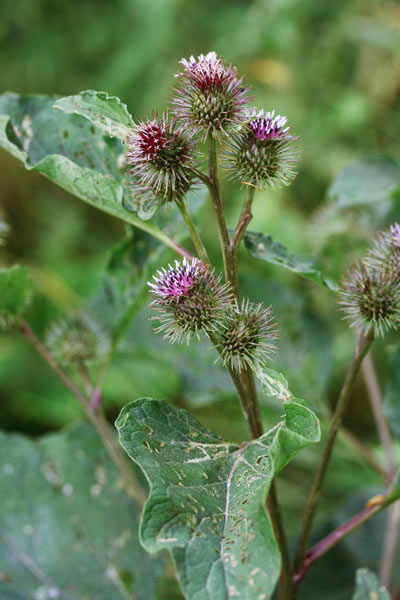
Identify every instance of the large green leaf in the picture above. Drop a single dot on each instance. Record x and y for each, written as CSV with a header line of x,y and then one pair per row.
x,y
262,246
15,288
370,179
368,587
67,530
207,499
72,152
108,113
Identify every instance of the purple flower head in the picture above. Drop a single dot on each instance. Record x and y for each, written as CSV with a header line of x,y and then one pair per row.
x,y
395,231
262,152
189,298
176,281
210,98
268,126
207,72
147,141
160,155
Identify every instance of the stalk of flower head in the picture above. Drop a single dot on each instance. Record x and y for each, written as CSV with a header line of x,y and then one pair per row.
x,y
210,103
370,299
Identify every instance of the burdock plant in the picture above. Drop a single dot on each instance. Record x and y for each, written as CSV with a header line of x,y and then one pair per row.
x,y
206,503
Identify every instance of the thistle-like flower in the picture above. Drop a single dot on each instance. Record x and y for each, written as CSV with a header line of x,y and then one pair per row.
x,y
188,298
77,339
161,155
210,98
262,152
385,252
370,298
245,338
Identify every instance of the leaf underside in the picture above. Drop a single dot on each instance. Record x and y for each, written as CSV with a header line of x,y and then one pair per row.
x,y
207,499
262,247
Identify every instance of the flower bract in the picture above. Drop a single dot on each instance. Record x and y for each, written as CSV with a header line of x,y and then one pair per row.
x,y
246,336
210,98
262,152
188,298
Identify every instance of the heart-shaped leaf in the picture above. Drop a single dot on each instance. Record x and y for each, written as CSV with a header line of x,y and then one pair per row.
x,y
67,529
73,153
108,113
367,180
207,499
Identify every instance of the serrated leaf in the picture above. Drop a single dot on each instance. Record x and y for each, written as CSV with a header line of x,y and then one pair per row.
x,y
70,151
207,499
108,113
67,529
368,587
15,289
262,247
368,180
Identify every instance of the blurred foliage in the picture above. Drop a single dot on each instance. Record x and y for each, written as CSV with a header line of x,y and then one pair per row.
x,y
334,69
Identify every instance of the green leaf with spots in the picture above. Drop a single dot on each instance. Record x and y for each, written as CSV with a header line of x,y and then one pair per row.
x,y
262,247
274,383
207,498
368,587
67,530
15,290
108,113
73,153
368,180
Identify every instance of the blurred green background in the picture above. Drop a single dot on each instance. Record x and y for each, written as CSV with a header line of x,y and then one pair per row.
x,y
333,68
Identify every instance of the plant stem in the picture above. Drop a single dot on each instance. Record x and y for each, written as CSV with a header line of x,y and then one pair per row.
x,y
97,419
332,539
375,397
213,186
285,582
363,345
244,382
194,234
390,545
244,220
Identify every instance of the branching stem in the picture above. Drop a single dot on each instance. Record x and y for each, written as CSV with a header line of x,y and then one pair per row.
x,y
97,418
244,220
362,348
213,186
244,382
194,234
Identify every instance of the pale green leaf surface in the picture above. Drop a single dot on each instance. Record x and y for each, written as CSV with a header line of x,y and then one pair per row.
x,y
274,384
367,180
207,499
70,151
368,587
106,112
262,247
15,289
67,530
